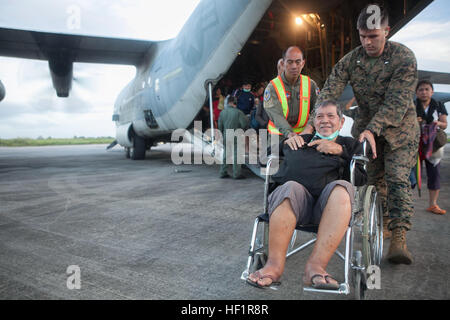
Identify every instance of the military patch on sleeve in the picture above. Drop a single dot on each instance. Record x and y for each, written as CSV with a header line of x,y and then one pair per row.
x,y
267,94
317,91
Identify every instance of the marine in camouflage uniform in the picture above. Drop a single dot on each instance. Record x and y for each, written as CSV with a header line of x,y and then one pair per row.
x,y
384,89
231,118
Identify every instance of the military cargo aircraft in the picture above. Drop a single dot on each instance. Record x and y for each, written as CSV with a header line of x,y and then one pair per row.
x,y
222,39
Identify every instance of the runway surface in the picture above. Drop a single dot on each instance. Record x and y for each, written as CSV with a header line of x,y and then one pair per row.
x,y
154,230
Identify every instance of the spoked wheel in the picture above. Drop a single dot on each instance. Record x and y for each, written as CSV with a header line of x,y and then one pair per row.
x,y
372,229
359,278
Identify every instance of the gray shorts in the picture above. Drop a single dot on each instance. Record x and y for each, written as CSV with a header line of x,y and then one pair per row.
x,y
307,209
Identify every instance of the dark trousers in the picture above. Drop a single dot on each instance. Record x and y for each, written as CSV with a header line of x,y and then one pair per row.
x,y
433,175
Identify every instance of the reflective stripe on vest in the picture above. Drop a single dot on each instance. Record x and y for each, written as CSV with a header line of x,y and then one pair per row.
x,y
303,115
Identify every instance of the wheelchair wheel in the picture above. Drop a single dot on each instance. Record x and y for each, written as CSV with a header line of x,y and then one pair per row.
x,y
359,278
372,229
260,254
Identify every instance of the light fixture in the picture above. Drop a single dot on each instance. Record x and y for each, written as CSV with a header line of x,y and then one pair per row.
x,y
298,21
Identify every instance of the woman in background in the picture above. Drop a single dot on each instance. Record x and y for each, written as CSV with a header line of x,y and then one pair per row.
x,y
430,112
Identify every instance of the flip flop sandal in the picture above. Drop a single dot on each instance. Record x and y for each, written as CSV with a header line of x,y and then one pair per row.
x,y
436,210
324,286
274,282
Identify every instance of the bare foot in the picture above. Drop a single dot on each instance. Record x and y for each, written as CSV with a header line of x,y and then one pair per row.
x,y
265,277
316,276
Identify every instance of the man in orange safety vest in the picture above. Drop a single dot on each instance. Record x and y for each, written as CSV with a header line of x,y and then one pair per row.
x,y
289,99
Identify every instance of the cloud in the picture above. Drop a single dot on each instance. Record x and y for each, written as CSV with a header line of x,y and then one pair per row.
x,y
31,108
141,19
430,42
12,109
57,124
423,30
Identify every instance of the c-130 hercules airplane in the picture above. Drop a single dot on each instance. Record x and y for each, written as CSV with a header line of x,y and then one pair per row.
x,y
221,39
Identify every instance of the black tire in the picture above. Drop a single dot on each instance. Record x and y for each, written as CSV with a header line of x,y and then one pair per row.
x,y
127,153
137,152
372,249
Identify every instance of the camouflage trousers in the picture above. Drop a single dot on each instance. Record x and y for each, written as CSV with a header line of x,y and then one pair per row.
x,y
389,172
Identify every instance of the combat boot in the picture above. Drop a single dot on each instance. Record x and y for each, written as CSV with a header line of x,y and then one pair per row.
x,y
398,252
386,232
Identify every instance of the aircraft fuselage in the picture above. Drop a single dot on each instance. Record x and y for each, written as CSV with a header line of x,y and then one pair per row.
x,y
170,85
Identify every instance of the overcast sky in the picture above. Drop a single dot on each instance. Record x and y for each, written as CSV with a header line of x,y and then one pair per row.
x,y
31,108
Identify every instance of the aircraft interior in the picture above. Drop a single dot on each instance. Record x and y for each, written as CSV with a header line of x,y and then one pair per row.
x,y
325,30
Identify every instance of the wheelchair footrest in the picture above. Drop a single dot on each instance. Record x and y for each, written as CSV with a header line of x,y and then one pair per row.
x,y
343,289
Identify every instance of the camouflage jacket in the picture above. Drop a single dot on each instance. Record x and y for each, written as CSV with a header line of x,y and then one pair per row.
x,y
232,118
273,106
384,92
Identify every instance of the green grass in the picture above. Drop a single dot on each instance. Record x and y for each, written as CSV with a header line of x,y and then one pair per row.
x,y
27,142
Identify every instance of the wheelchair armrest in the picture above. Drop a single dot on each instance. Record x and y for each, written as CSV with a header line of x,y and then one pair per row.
x,y
271,159
273,156
357,159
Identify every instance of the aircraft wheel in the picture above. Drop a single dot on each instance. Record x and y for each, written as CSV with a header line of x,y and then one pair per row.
x,y
137,152
127,153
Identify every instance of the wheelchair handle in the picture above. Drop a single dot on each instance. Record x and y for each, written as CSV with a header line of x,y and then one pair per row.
x,y
358,158
365,147
266,181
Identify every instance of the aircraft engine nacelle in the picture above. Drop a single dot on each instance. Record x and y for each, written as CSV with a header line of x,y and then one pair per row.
x,y
2,91
124,135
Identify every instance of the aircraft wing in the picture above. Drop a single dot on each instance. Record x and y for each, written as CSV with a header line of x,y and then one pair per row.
x,y
435,77
61,50
442,96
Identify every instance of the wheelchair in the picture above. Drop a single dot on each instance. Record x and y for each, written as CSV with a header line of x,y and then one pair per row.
x,y
363,238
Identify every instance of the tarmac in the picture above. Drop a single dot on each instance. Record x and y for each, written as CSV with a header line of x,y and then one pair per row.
x,y
155,230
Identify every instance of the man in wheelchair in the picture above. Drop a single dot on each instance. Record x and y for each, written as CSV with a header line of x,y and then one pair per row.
x,y
312,188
